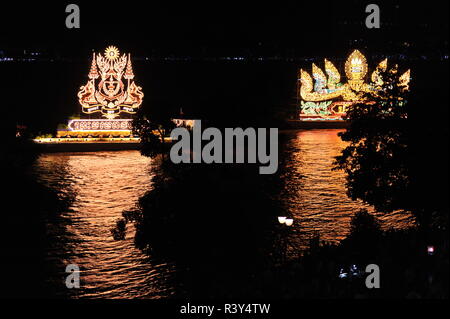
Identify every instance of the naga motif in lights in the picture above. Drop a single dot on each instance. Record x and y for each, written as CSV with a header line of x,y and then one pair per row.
x,y
110,89
323,95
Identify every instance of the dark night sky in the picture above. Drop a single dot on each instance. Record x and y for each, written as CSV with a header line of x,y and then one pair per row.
x,y
317,29
311,26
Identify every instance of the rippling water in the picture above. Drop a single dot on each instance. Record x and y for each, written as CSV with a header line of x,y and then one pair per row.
x,y
314,194
99,186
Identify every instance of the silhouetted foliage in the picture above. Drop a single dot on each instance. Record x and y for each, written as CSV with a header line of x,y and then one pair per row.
x,y
152,133
365,233
23,235
119,231
376,160
215,221
364,225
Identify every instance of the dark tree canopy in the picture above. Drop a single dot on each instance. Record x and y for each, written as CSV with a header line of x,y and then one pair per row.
x,y
152,132
376,159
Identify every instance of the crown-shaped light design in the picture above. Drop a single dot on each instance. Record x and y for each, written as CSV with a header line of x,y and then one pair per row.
x,y
110,89
328,98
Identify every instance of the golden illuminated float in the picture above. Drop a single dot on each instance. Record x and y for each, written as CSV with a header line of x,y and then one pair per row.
x,y
110,94
323,96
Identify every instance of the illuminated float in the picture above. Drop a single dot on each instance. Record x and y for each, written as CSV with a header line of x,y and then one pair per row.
x,y
111,95
324,97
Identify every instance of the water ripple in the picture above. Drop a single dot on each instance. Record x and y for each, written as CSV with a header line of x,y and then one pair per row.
x,y
105,184
99,186
314,194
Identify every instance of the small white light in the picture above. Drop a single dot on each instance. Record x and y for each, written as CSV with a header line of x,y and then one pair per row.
x,y
430,250
281,219
289,222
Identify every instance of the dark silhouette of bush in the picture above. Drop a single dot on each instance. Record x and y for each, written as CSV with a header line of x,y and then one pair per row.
x,y
365,234
364,226
376,161
215,220
23,235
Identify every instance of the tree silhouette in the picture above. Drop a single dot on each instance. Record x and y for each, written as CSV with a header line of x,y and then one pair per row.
x,y
376,159
152,133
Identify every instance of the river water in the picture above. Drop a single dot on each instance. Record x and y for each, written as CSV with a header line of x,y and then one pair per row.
x,y
99,186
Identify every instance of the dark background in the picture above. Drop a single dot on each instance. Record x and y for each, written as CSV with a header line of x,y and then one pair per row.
x,y
179,50
144,27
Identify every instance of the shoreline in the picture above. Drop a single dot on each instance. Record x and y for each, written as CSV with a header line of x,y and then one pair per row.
x,y
55,145
87,146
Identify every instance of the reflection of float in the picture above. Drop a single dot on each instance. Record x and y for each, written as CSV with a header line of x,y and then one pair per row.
x,y
325,97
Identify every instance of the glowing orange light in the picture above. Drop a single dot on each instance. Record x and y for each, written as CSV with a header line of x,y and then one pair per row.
x,y
325,97
106,92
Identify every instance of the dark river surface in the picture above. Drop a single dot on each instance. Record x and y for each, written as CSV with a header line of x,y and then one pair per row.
x,y
100,185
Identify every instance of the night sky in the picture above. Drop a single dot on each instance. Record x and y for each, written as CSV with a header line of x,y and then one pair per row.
x,y
183,28
230,65
42,94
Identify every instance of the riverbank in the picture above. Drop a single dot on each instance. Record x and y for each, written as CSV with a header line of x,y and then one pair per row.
x,y
413,263
62,145
219,225
87,146
23,237
310,125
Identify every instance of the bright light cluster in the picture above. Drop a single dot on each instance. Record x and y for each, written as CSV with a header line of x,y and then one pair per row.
x,y
324,97
100,125
110,89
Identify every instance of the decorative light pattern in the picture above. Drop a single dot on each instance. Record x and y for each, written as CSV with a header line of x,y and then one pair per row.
x,y
333,75
356,69
106,92
380,68
319,78
326,98
100,125
405,78
112,53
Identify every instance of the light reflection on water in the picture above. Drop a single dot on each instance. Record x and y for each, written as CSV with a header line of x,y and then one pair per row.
x,y
101,185
314,194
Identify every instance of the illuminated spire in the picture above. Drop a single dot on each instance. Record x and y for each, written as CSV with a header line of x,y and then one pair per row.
x,y
93,73
129,75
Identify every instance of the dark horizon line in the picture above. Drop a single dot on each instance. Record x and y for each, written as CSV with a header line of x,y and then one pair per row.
x,y
435,56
